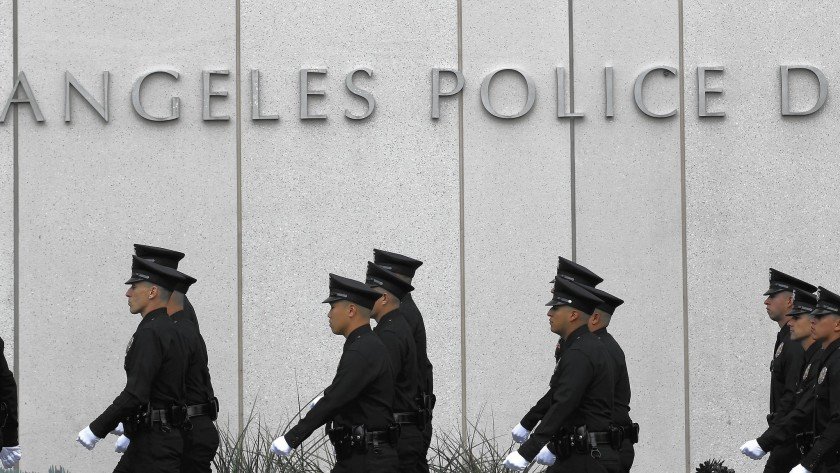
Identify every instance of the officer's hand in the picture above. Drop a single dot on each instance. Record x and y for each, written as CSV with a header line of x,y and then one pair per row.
x,y
122,444
799,469
753,450
119,430
315,401
515,462
87,438
10,456
545,457
280,448
520,434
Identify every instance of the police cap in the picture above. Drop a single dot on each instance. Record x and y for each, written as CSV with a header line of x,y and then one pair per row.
x,y
345,289
402,265
377,276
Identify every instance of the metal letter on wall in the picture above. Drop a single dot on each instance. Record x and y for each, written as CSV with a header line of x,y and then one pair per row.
x,y
437,94
207,92
101,108
28,97
560,74
639,96
823,85
305,92
702,91
175,102
256,101
529,101
355,90
610,91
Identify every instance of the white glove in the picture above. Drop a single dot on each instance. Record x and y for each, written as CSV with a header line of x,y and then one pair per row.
x,y
87,438
545,457
314,401
799,469
520,434
122,444
280,448
10,456
753,450
119,430
515,462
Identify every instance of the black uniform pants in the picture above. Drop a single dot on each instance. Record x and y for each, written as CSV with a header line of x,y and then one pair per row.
x,y
628,454
585,463
783,458
152,451
383,459
427,437
200,445
411,449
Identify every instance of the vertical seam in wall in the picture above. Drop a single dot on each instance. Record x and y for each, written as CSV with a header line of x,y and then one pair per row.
x,y
684,244
239,344
15,204
572,128
462,258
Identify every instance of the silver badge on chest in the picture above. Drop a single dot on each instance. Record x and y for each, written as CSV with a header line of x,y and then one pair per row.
x,y
807,370
779,350
823,372
130,342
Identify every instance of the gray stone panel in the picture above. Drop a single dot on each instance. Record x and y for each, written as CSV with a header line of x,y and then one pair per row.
x,y
628,207
318,196
761,192
517,205
88,190
7,305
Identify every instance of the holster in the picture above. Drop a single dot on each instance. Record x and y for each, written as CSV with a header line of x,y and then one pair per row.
x,y
616,437
631,433
427,405
580,440
215,402
562,445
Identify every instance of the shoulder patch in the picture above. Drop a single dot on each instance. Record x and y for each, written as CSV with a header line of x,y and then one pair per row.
x,y
822,375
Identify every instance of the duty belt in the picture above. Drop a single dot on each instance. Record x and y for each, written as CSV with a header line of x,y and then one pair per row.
x,y
206,409
403,418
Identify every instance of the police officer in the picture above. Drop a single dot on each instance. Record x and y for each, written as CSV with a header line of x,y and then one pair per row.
x,y
406,267
395,333
583,396
622,424
795,426
569,271
824,456
10,454
786,366
200,437
155,365
358,405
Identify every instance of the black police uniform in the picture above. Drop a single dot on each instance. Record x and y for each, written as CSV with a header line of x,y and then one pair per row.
x,y
796,425
155,365
621,402
788,359
358,403
583,398
8,403
200,436
406,266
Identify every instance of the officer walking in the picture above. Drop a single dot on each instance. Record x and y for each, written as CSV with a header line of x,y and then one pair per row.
x,y
10,454
395,333
787,364
583,396
824,457
405,268
358,405
569,271
155,365
796,425
200,436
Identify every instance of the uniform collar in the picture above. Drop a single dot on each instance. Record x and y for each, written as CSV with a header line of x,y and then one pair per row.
x,y
387,317
575,335
601,331
153,315
357,334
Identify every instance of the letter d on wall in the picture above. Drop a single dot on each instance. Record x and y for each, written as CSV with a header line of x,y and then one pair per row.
x,y
823,84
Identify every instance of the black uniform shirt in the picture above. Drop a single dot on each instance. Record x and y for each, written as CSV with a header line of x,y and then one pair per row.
x,y
155,367
362,392
785,368
418,329
198,385
799,419
584,391
535,415
826,408
621,401
395,333
8,395
189,312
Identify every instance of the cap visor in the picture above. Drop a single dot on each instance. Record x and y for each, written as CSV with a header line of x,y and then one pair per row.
x,y
555,302
134,280
772,291
821,311
799,312
332,299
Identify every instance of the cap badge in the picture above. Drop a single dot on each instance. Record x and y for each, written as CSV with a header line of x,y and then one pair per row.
x,y
823,372
340,294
